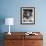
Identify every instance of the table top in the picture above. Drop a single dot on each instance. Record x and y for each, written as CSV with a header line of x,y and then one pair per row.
x,y
22,35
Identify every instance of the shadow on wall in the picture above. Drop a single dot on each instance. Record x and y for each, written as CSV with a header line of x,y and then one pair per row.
x,y
2,21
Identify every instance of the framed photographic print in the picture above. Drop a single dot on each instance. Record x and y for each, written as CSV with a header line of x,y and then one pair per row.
x,y
27,15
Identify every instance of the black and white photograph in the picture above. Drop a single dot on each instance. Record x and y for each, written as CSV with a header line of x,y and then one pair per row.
x,y
27,15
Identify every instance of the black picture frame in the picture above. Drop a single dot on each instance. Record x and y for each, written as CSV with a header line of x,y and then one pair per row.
x,y
27,15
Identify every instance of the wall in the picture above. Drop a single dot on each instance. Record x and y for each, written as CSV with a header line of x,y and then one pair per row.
x,y
11,8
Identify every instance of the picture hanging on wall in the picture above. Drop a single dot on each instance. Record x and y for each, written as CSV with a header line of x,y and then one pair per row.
x,y
27,15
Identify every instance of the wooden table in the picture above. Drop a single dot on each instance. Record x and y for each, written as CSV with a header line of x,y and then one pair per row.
x,y
20,39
